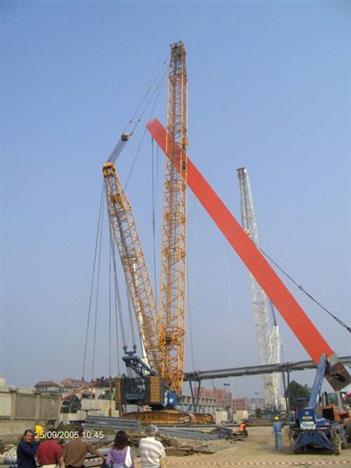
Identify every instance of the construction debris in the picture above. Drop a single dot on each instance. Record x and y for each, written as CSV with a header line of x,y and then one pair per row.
x,y
178,441
9,457
228,433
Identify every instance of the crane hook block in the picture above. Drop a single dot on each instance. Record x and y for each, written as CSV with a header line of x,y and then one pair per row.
x,y
125,136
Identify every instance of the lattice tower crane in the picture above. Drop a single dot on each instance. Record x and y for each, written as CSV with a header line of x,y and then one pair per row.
x,y
268,341
174,223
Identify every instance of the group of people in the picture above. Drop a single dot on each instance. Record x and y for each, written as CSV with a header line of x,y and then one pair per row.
x,y
51,454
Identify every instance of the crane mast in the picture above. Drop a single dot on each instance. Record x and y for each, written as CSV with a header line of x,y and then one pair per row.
x,y
174,223
268,342
123,228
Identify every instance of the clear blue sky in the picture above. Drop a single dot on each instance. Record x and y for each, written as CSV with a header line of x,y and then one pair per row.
x,y
269,89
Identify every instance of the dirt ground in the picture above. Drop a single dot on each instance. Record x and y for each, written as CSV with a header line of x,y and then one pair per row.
x,y
258,450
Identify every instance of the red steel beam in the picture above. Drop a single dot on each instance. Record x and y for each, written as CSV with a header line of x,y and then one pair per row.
x,y
293,314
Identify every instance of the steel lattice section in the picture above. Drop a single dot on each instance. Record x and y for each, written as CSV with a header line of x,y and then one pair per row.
x,y
174,239
133,261
268,343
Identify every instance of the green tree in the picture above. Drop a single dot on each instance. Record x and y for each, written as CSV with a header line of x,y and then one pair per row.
x,y
258,413
295,391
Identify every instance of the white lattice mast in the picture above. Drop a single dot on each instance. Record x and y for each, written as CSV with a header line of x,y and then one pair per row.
x,y
267,337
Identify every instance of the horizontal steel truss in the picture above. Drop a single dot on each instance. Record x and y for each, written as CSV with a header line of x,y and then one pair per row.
x,y
256,370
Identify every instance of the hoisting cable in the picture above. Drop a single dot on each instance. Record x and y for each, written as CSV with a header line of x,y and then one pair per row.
x,y
110,331
274,316
130,314
189,301
157,79
153,197
231,307
92,284
155,96
97,292
117,303
190,327
110,318
309,295
126,134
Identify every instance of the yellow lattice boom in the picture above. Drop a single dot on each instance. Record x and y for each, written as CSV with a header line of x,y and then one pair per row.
x,y
174,237
139,286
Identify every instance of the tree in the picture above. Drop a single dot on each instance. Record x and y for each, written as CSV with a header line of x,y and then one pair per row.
x,y
258,413
295,391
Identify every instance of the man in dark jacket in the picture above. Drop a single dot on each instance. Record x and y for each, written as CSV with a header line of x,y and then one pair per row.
x,y
26,450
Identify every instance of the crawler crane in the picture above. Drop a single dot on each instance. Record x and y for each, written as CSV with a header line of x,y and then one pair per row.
x,y
160,373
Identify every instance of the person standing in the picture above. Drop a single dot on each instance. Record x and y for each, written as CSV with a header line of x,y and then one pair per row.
x,y
26,450
152,452
277,432
75,451
120,454
49,453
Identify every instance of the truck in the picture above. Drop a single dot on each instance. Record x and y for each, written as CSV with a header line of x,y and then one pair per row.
x,y
317,425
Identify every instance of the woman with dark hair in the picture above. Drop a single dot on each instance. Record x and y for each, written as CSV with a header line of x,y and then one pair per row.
x,y
120,454
26,450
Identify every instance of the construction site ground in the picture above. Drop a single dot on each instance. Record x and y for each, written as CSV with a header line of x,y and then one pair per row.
x,y
257,450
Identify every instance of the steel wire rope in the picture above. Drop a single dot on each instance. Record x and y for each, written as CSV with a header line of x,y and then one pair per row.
x,y
130,315
153,99
117,295
92,284
117,301
110,318
110,330
231,305
150,91
309,295
189,308
153,191
157,79
97,293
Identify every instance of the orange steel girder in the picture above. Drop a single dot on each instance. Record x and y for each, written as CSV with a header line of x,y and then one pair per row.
x,y
293,314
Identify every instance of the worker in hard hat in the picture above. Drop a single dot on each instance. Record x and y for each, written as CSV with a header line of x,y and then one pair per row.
x,y
277,432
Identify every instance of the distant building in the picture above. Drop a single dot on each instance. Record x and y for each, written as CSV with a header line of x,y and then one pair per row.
x,y
256,403
71,385
48,387
204,404
223,398
241,404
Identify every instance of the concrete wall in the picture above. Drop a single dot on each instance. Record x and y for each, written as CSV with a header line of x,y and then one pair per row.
x,y
20,411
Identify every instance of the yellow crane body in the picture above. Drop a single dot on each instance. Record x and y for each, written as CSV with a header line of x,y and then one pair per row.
x,y
139,288
172,305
